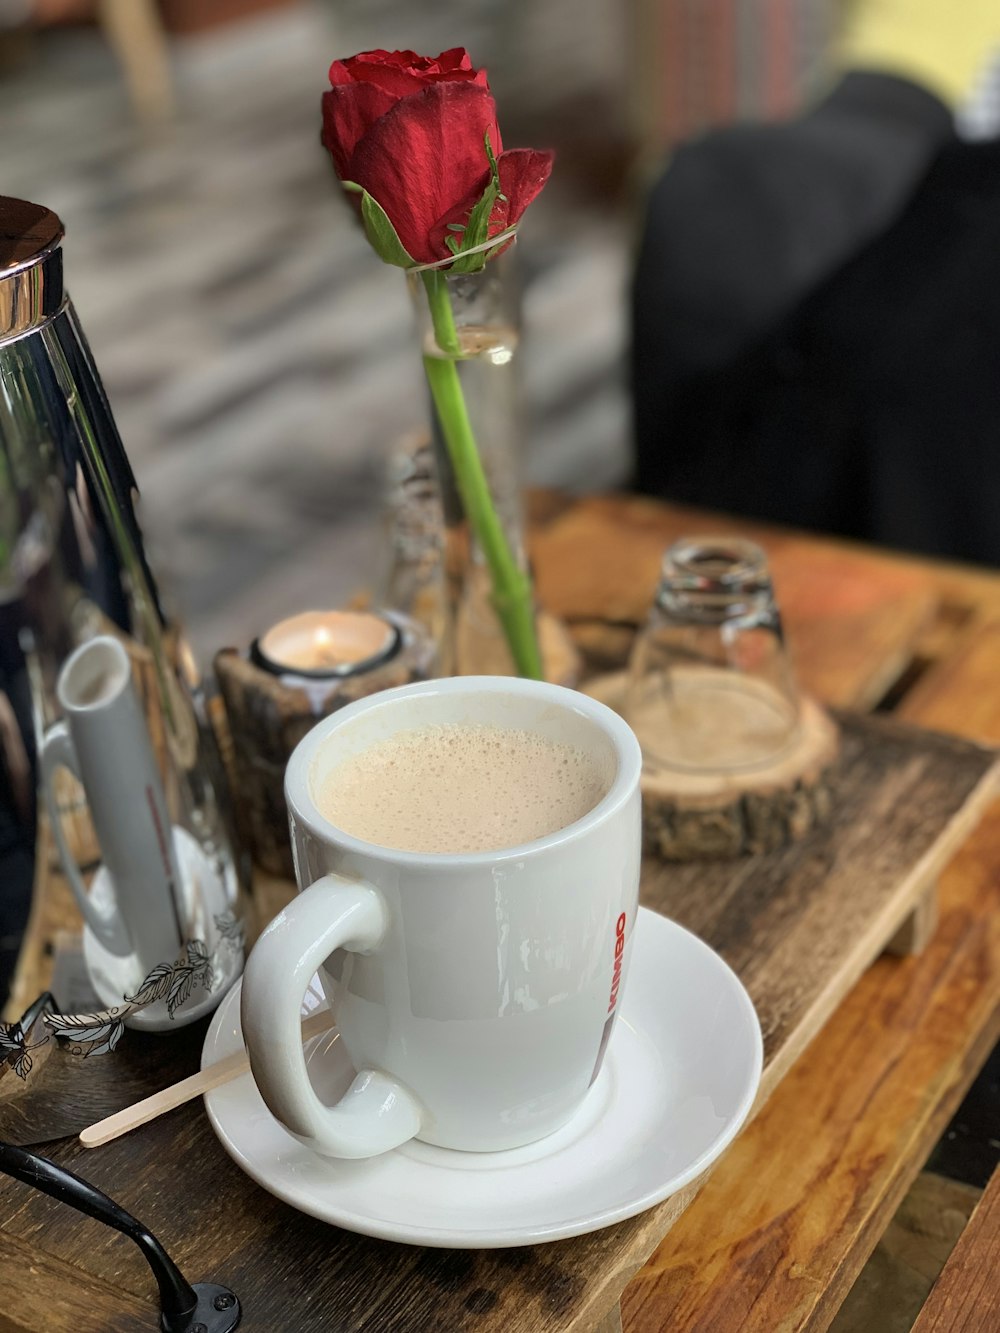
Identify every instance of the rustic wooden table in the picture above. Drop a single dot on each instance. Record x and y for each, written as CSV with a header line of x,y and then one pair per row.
x,y
966,1297
777,1234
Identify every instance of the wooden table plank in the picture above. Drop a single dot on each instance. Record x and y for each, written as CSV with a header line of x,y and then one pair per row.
x,y
782,918
853,615
791,1214
971,675
966,1297
40,1292
611,1323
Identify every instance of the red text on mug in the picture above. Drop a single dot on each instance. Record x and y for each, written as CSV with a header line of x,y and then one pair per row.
x,y
616,976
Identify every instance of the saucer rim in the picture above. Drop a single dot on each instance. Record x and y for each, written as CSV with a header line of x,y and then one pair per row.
x,y
510,1237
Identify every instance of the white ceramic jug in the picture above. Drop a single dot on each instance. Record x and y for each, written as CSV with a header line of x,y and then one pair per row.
x,y
105,744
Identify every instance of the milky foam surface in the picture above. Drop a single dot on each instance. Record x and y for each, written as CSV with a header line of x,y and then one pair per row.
x,y
460,788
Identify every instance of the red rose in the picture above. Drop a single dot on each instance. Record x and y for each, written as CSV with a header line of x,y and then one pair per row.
x,y
410,131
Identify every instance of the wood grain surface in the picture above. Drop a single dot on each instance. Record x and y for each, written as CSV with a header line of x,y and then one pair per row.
x,y
799,926
792,1212
597,567
966,1297
910,1255
960,694
44,1295
840,895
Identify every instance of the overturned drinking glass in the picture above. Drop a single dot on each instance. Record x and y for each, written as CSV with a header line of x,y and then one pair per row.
x,y
710,687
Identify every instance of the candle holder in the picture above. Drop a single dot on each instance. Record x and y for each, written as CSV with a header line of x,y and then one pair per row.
x,y
292,676
328,645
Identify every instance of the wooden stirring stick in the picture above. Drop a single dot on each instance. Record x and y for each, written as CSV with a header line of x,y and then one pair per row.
x,y
113,1126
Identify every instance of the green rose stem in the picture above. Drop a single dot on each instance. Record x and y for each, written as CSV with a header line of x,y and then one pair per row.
x,y
511,594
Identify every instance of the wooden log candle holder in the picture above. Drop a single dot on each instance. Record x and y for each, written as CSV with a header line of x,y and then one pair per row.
x,y
267,714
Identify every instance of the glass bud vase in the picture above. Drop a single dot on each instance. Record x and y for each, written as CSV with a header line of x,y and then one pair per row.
x,y
710,687
486,310
411,580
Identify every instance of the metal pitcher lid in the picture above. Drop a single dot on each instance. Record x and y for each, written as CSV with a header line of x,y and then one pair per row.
x,y
31,284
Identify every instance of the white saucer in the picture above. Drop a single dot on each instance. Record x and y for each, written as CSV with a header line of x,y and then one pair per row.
x,y
679,1078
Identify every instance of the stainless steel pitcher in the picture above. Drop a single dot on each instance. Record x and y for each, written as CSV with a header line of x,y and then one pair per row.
x,y
73,567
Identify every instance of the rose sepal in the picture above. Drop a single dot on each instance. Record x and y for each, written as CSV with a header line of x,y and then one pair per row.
x,y
476,230
381,233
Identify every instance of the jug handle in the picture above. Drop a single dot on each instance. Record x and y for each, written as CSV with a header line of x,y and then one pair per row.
x,y
57,752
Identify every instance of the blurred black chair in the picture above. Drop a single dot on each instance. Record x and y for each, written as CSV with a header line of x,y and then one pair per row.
x,y
816,324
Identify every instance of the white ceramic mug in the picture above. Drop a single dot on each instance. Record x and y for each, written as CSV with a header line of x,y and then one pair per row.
x,y
474,992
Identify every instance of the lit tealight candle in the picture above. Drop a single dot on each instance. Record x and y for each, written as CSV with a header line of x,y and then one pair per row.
x,y
326,644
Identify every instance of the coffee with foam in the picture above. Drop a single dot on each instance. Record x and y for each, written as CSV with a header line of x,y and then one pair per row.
x,y
458,787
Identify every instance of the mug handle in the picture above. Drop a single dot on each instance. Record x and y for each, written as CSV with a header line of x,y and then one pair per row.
x,y
376,1113
57,751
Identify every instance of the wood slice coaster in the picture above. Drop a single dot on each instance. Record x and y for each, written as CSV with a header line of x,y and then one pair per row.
x,y
692,815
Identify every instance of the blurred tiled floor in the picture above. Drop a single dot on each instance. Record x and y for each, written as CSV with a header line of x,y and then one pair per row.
x,y
258,357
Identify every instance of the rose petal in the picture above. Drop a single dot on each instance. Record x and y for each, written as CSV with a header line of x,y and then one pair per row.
x,y
457,61
523,172
349,110
457,214
397,81
360,63
402,73
423,156
456,57
355,68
